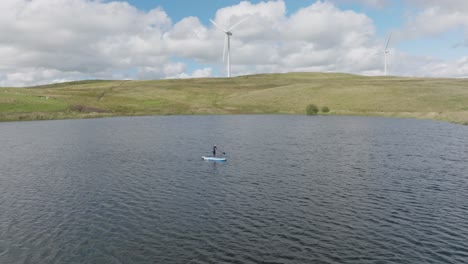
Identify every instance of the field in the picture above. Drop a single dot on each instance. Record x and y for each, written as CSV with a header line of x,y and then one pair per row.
x,y
290,93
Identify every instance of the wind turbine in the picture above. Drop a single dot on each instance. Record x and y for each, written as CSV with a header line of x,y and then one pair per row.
x,y
385,52
228,43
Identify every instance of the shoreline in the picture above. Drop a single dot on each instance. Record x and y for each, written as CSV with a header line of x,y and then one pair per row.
x,y
437,117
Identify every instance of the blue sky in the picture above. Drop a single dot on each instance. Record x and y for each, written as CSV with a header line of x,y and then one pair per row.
x,y
46,41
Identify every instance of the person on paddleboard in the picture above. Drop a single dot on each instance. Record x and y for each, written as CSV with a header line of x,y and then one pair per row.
x,y
214,150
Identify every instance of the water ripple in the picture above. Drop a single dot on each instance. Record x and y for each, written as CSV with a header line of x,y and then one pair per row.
x,y
318,190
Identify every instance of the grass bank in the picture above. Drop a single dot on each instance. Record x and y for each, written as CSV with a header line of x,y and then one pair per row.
x,y
290,93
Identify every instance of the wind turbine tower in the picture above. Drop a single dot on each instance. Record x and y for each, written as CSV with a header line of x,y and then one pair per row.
x,y
227,43
385,52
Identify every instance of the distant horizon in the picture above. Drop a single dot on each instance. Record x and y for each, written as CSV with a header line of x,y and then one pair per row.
x,y
45,42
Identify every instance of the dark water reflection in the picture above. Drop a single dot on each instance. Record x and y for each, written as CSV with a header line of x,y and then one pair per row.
x,y
295,189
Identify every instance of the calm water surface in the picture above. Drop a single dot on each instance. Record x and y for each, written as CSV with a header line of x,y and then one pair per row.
x,y
295,189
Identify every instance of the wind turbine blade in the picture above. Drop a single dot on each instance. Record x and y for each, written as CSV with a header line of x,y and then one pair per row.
x,y
238,23
388,41
218,26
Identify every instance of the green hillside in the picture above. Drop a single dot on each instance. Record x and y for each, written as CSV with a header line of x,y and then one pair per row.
x,y
344,94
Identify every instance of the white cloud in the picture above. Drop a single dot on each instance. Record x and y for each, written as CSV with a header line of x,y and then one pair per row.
x,y
325,25
192,40
201,73
38,76
450,5
317,36
447,19
76,38
458,68
431,18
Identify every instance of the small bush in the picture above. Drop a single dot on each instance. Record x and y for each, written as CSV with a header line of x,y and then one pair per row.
x,y
312,109
325,109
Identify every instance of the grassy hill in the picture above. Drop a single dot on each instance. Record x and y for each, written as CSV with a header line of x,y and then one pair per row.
x,y
344,94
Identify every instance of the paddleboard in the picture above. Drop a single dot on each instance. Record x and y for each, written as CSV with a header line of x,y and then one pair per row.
x,y
214,158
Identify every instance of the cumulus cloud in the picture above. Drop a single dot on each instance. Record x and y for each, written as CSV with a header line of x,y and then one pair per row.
x,y
433,18
447,19
76,38
45,41
317,37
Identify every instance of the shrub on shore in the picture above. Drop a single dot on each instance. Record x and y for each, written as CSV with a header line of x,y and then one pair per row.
x,y
312,109
325,109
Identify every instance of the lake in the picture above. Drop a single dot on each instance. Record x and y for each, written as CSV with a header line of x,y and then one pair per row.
x,y
295,189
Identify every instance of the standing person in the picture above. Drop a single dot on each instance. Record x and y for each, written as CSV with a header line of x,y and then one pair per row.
x,y
214,150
